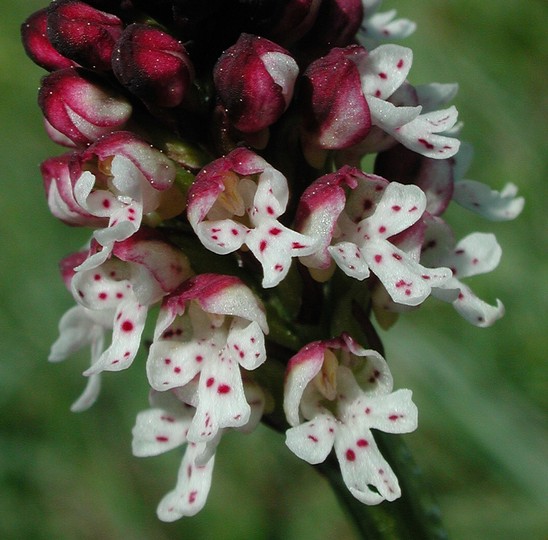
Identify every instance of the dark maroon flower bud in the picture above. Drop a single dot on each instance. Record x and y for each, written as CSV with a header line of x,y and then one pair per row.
x,y
337,23
83,33
38,46
335,112
297,19
255,79
79,107
153,65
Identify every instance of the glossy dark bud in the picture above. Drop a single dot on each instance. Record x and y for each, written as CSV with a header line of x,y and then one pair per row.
x,y
152,65
83,33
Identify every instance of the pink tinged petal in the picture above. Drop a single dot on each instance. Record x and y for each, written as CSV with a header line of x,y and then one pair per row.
x,y
158,170
166,264
319,207
227,295
193,485
172,364
391,413
129,323
252,96
83,34
159,430
350,260
221,399
476,311
313,440
301,369
490,204
420,135
37,45
477,253
274,245
406,281
365,472
384,70
245,341
80,107
336,113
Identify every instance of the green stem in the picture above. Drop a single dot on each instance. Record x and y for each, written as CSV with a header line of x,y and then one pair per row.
x,y
415,516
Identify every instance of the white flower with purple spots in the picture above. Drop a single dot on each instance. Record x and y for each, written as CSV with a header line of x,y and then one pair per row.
x,y
477,253
207,330
164,427
335,393
359,237
129,181
116,296
237,200
479,198
383,71
378,27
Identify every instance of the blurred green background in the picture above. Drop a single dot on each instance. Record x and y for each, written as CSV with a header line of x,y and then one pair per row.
x,y
482,394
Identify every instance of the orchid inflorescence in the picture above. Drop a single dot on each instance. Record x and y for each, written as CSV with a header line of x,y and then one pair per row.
x,y
215,150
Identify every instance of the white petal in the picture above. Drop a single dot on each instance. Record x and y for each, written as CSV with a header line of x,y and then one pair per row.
x,y
221,399
420,136
476,311
475,254
349,259
221,237
406,281
126,338
384,69
434,95
400,207
193,485
171,364
391,413
159,430
362,466
274,245
246,340
313,440
488,203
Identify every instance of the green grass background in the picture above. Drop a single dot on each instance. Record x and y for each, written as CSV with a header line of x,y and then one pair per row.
x,y
482,394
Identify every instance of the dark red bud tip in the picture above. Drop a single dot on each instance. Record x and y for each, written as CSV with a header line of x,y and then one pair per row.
x,y
83,33
38,46
152,65
80,107
337,22
254,80
335,112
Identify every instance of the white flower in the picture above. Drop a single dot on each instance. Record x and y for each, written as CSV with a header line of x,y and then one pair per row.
x,y
335,402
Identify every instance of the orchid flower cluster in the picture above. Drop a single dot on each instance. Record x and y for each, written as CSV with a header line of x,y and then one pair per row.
x,y
214,150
